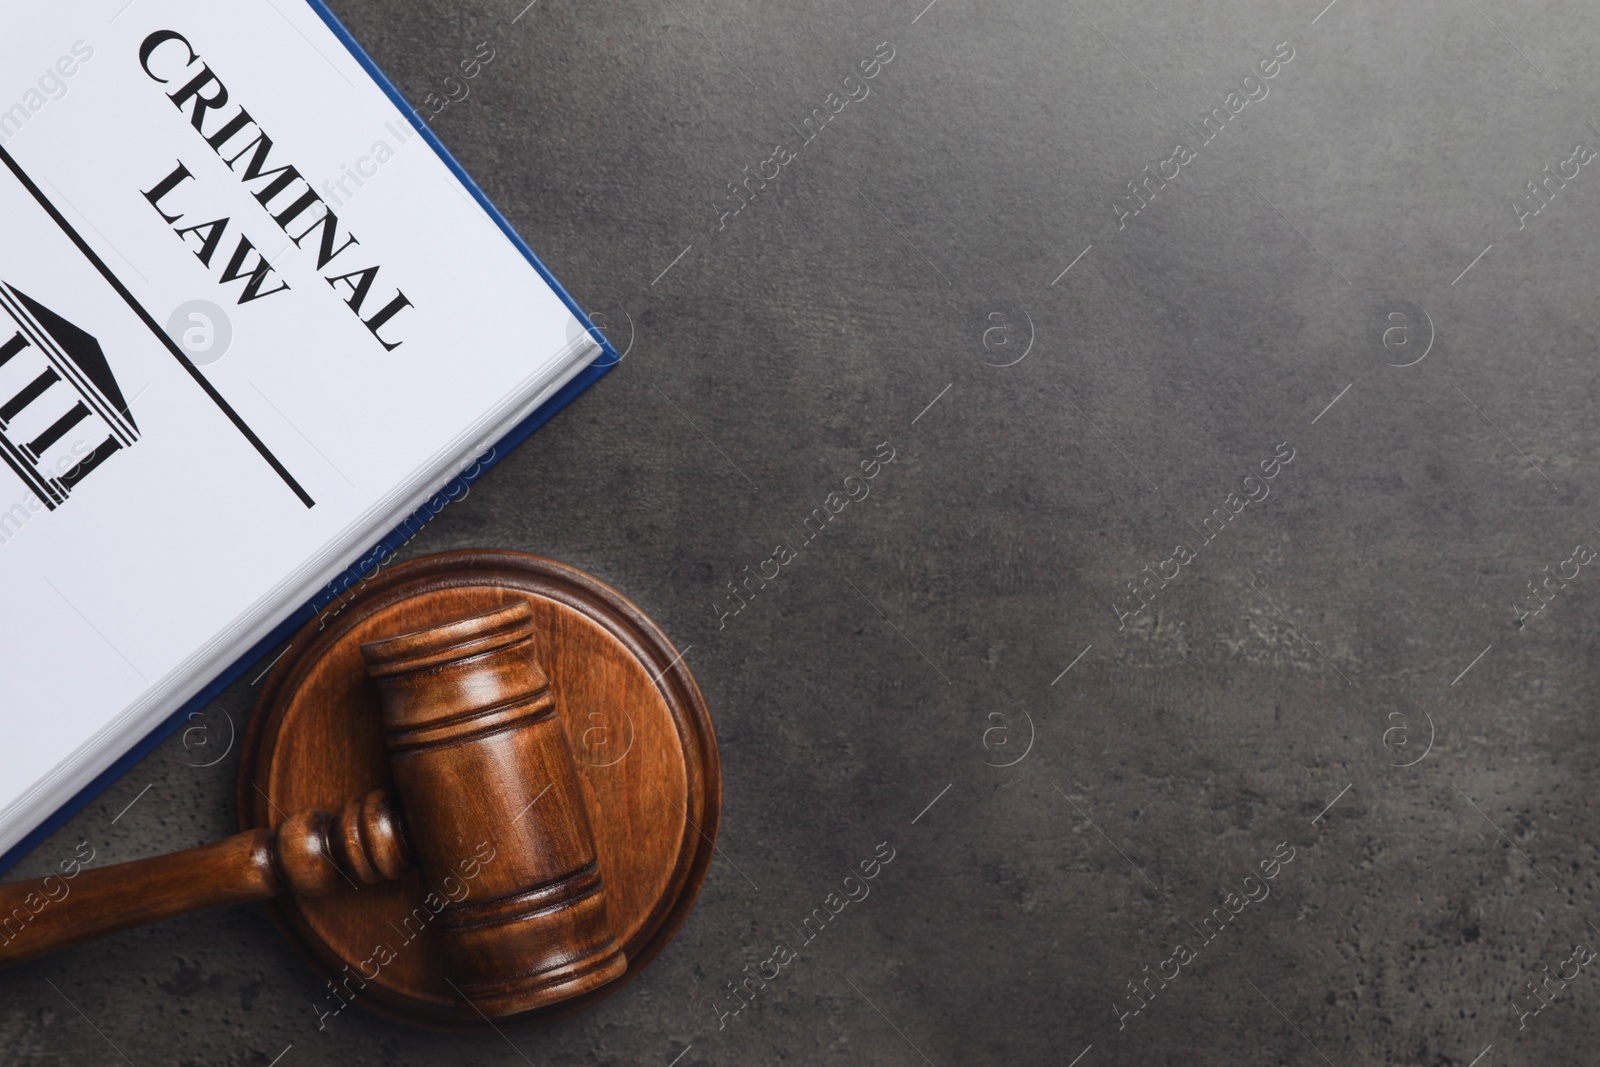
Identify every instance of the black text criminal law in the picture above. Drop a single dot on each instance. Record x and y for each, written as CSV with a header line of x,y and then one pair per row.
x,y
284,186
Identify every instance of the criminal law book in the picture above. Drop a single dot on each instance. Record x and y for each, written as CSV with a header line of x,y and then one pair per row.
x,y
253,317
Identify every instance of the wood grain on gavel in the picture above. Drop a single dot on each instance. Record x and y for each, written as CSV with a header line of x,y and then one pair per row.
x,y
471,725
305,854
482,773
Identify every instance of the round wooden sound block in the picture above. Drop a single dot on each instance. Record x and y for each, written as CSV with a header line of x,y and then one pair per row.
x,y
635,722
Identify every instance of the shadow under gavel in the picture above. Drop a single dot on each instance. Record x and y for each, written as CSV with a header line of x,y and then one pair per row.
x,y
478,754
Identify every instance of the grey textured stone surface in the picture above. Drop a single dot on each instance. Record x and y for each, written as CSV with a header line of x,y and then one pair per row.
x,y
920,643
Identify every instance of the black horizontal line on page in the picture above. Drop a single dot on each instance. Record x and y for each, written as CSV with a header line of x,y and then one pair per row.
x,y
144,316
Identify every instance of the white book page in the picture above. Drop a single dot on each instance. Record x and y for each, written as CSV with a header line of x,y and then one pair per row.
x,y
155,516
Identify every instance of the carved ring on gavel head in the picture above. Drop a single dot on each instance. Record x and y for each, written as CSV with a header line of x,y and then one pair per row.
x,y
501,789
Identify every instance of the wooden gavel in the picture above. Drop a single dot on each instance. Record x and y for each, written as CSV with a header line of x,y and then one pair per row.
x,y
483,780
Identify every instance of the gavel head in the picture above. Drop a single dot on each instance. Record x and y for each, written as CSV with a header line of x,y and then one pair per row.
x,y
484,777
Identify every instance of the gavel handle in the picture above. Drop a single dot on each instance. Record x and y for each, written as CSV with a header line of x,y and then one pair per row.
x,y
54,913
309,854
